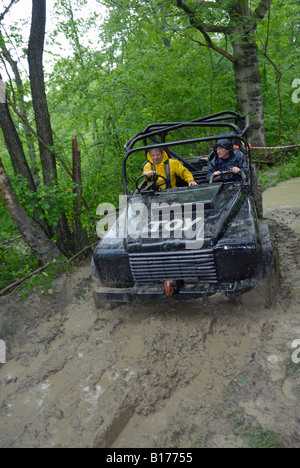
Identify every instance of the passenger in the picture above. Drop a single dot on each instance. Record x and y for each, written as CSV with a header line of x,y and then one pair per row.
x,y
160,163
226,160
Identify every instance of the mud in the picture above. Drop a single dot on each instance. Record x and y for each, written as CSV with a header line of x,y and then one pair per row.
x,y
200,374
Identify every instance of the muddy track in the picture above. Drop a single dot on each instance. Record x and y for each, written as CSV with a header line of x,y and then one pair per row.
x,y
200,374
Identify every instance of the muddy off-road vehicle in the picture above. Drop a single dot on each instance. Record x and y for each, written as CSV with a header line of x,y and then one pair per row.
x,y
185,242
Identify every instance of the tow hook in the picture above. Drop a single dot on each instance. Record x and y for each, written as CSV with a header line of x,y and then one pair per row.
x,y
171,287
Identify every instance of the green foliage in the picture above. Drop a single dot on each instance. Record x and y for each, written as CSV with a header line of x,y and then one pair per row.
x,y
16,259
44,281
287,169
290,169
279,36
137,63
47,202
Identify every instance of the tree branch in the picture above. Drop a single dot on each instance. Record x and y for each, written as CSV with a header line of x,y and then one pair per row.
x,y
196,24
41,141
215,29
7,9
261,10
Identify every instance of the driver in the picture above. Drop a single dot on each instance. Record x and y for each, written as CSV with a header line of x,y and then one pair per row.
x,y
225,159
160,163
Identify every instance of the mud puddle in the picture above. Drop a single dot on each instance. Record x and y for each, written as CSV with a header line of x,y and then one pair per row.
x,y
200,374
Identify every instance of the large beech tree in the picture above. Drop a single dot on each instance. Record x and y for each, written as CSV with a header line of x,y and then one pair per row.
x,y
226,28
240,28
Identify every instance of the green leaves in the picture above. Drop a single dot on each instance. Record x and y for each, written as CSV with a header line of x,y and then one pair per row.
x,y
16,259
47,202
144,63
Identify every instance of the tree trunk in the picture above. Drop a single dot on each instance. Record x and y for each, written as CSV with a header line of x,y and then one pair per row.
x,y
248,91
37,84
42,117
80,235
21,102
32,233
241,31
14,146
246,72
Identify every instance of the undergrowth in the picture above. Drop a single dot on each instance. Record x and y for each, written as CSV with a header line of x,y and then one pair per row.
x,y
270,177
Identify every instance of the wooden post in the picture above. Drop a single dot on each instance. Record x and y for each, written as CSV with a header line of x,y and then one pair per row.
x,y
81,237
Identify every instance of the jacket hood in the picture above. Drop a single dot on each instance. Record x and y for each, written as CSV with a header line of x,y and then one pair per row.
x,y
165,157
224,143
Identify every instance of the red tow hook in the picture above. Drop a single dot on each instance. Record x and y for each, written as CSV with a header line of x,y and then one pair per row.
x,y
171,287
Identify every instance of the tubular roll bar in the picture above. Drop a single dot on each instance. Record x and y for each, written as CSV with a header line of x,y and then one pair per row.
x,y
220,119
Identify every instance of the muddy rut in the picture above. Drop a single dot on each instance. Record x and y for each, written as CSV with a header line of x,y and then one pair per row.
x,y
200,374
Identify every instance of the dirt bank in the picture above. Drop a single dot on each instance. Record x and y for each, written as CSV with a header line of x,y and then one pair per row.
x,y
202,374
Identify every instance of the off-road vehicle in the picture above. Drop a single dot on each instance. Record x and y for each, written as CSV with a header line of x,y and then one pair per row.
x,y
185,242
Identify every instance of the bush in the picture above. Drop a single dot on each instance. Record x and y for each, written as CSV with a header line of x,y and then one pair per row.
x,y
16,261
290,169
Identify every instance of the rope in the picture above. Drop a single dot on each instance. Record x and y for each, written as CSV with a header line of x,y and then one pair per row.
x,y
273,147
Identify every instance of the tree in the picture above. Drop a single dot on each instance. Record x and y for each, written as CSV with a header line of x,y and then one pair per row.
x,y
19,99
240,28
14,145
227,28
279,40
32,233
38,92
42,117
66,241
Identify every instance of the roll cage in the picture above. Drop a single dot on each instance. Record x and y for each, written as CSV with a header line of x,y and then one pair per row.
x,y
154,136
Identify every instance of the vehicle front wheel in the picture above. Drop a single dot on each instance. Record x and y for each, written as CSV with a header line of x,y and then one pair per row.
x,y
256,191
265,292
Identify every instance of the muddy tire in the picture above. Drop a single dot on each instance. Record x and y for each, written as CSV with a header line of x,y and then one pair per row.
x,y
265,292
256,191
273,283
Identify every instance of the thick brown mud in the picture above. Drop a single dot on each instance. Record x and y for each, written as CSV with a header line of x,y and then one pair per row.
x,y
200,374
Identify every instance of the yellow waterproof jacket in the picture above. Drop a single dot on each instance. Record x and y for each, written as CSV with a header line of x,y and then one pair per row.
x,y
176,169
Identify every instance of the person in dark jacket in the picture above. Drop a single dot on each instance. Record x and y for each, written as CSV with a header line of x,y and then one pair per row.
x,y
225,159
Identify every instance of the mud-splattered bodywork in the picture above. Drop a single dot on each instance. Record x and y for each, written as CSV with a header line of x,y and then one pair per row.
x,y
203,239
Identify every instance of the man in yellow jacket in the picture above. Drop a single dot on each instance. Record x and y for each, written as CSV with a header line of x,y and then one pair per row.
x,y
160,163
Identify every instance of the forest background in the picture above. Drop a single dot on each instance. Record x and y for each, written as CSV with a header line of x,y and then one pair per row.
x,y
82,77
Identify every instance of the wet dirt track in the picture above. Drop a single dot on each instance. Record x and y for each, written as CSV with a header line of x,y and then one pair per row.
x,y
200,374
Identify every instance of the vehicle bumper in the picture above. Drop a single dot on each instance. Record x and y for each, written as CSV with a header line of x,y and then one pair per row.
x,y
153,293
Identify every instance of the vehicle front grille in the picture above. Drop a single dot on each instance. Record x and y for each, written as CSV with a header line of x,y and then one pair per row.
x,y
185,265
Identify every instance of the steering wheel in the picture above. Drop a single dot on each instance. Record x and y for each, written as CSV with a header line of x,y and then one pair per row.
x,y
242,173
153,186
